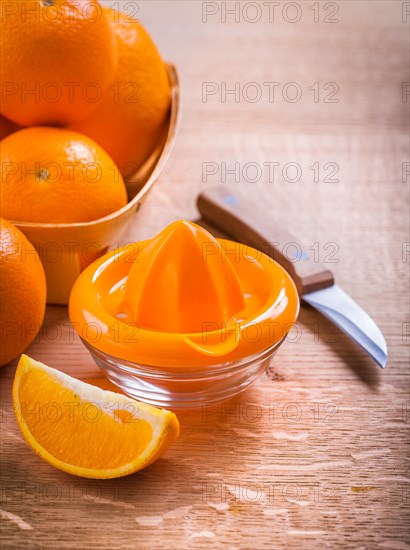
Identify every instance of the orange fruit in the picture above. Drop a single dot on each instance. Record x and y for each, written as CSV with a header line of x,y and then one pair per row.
x,y
55,175
129,119
22,292
7,127
57,56
84,430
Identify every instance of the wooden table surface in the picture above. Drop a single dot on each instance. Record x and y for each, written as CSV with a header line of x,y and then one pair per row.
x,y
315,454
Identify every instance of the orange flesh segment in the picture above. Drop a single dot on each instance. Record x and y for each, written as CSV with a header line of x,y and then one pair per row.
x,y
56,417
84,430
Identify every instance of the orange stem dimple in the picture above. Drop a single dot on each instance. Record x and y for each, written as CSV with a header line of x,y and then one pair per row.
x,y
42,174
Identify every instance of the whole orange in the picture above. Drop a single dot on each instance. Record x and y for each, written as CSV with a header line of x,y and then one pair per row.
x,y
57,57
55,175
128,120
22,292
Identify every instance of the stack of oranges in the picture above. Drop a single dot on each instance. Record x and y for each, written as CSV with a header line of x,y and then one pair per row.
x,y
84,99
93,89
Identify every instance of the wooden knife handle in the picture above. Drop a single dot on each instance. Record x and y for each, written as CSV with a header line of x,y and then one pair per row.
x,y
223,209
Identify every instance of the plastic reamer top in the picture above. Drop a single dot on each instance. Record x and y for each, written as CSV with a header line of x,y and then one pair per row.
x,y
183,299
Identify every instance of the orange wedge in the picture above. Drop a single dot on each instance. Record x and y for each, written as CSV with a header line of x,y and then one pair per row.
x,y
84,430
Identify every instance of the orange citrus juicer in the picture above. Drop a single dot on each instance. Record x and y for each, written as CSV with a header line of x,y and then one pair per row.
x,y
183,299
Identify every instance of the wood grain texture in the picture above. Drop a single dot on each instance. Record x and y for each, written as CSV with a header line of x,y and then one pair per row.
x,y
315,454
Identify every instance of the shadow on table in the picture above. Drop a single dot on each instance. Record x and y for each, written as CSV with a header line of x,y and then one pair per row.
x,y
328,334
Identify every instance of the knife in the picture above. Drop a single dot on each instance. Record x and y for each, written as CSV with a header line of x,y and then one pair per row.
x,y
316,286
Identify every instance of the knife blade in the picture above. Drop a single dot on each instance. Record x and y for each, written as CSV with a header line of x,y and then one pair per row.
x,y
316,286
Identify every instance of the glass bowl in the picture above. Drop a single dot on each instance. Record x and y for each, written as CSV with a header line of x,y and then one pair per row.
x,y
182,388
